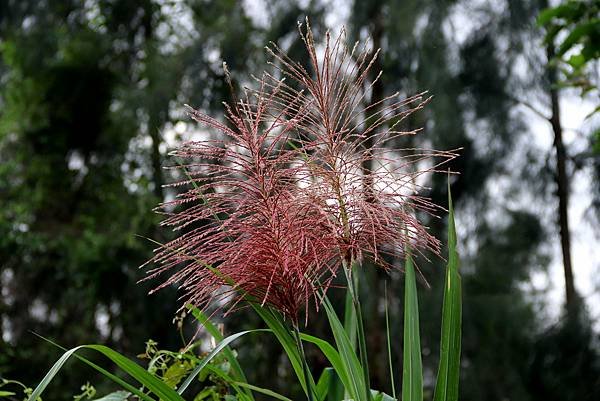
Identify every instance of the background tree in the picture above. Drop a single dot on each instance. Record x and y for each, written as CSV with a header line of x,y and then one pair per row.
x,y
87,89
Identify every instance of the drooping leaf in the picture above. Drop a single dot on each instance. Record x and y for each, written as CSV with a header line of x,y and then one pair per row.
x,y
156,386
226,341
237,372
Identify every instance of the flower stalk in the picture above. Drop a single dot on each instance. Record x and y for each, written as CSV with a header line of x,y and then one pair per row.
x,y
310,391
351,275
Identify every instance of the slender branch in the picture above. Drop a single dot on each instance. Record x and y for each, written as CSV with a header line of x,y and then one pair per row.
x,y
528,105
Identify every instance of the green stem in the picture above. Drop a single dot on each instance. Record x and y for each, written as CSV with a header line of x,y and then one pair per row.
x,y
352,280
305,370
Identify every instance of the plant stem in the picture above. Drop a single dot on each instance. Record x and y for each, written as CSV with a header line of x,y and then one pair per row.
x,y
305,370
389,344
352,280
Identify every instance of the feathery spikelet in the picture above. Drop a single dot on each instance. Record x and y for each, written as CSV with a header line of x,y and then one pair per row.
x,y
301,179
247,233
368,188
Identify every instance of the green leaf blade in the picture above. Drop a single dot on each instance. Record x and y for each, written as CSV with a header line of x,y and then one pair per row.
x,y
222,345
238,373
346,350
287,341
156,386
412,376
448,377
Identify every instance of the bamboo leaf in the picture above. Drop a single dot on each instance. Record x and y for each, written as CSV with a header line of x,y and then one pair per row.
x,y
446,388
412,375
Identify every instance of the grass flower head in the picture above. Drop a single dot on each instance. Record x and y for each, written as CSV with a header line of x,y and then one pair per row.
x,y
301,178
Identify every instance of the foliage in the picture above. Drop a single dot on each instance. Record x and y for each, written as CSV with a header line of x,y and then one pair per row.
x,y
166,369
577,24
573,27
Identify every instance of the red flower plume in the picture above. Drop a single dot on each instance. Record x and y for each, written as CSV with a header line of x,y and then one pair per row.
x,y
302,178
246,229
367,187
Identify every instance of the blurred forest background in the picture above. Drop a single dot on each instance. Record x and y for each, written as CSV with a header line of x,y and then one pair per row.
x,y
91,102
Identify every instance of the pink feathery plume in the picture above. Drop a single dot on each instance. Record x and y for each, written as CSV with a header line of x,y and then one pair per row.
x,y
369,190
246,232
301,179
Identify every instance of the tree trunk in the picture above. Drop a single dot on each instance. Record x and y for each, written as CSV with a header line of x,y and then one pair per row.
x,y
562,181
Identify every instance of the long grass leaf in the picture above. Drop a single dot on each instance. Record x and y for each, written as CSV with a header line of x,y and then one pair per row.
x,y
412,374
153,384
350,324
389,342
324,383
446,388
347,353
264,391
238,374
333,357
285,338
226,341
